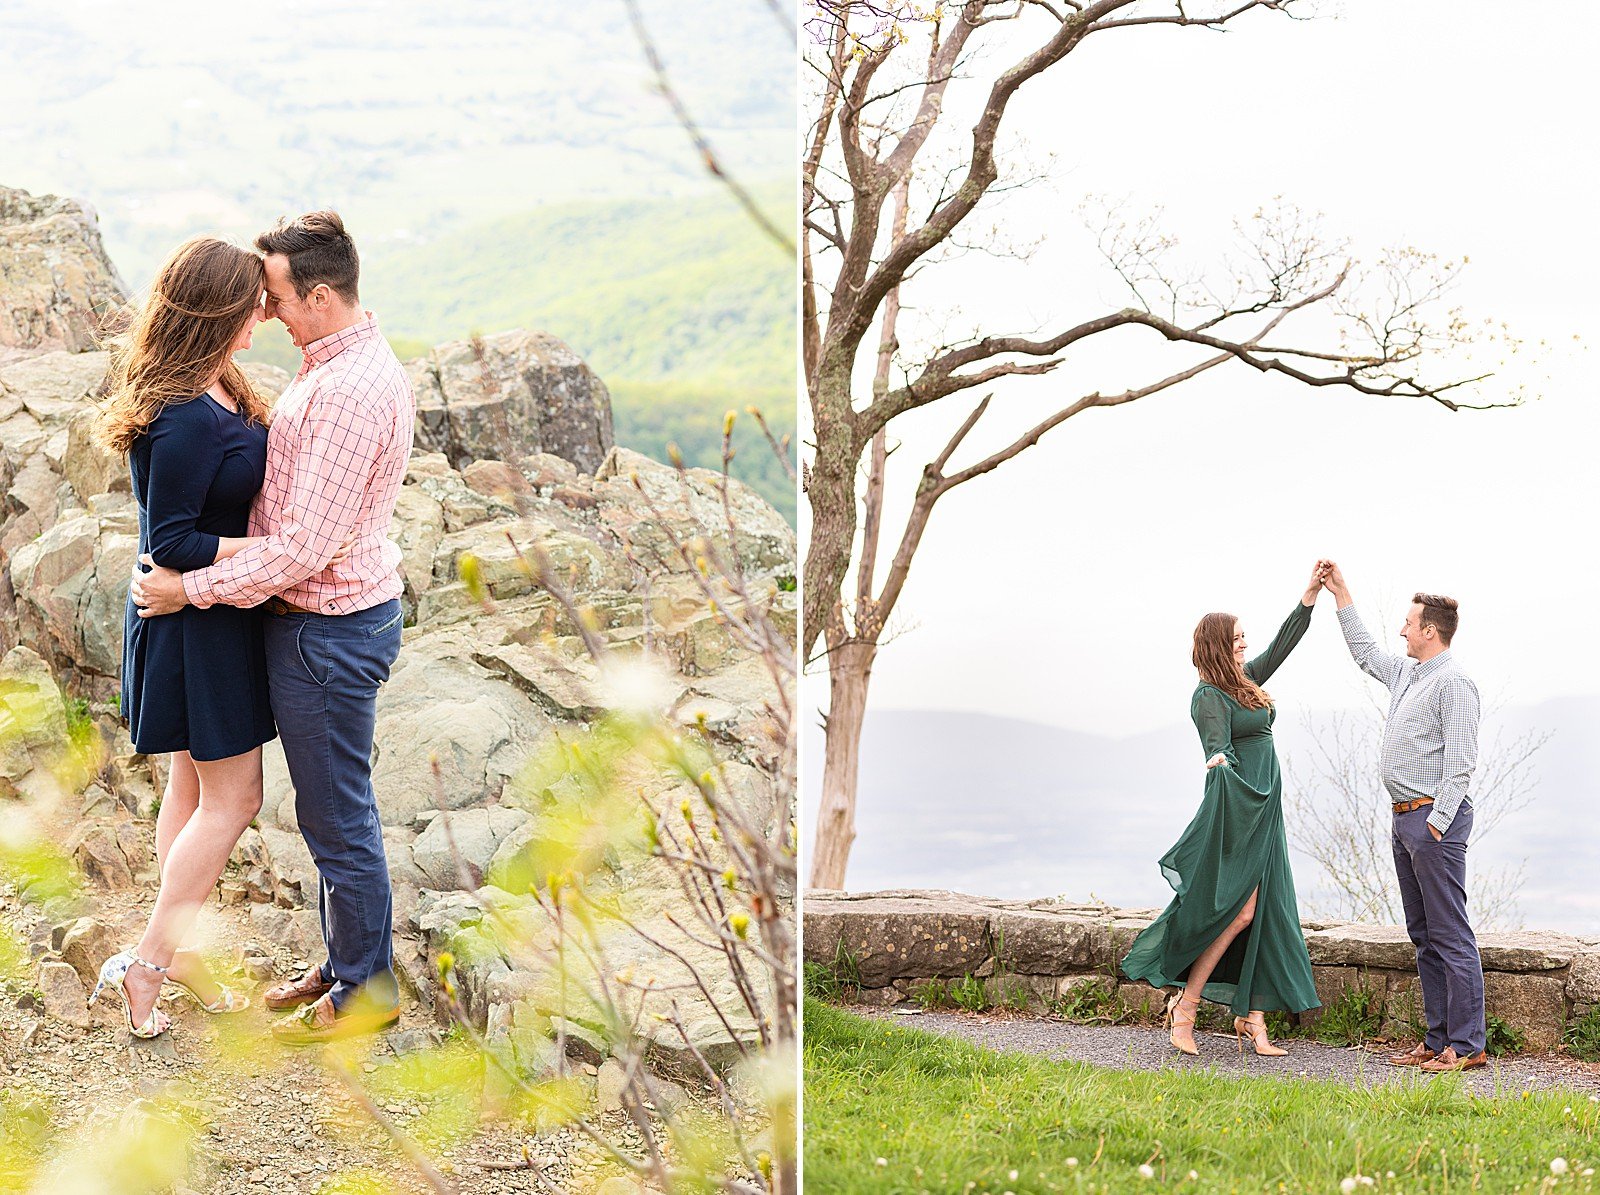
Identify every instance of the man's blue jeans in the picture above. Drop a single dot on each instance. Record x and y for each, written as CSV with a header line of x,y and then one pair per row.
x,y
323,672
1433,888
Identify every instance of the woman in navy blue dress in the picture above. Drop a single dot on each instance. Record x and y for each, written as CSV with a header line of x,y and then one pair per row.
x,y
194,683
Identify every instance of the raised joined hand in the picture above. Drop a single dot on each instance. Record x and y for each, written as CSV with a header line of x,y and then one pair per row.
x,y
1333,579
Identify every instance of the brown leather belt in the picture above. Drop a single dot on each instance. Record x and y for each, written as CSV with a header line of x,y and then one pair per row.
x,y
1408,806
276,605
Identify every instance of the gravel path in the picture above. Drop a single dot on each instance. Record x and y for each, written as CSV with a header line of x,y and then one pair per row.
x,y
1132,1047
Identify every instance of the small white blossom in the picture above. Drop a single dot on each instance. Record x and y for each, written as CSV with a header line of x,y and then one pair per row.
x,y
1347,1185
1013,1176
1146,1170
1072,1163
1193,1174
1558,1165
882,1162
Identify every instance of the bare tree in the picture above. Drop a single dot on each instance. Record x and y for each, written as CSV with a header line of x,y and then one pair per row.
x,y
877,218
1337,819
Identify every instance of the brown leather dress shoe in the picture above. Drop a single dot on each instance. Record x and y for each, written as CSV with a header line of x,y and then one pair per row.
x,y
1451,1061
321,1022
1415,1056
292,993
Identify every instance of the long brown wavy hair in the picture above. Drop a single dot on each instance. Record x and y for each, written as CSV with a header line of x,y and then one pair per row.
x,y
1213,659
180,338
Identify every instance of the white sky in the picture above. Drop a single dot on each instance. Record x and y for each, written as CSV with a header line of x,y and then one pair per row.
x,y
1065,586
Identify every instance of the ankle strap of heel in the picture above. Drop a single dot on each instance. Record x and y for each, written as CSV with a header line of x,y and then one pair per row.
x,y
151,966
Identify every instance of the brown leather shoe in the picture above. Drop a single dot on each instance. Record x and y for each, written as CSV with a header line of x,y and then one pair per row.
x,y
1415,1056
321,1022
1451,1061
292,993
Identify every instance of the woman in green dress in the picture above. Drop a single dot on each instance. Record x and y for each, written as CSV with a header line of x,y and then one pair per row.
x,y
1232,932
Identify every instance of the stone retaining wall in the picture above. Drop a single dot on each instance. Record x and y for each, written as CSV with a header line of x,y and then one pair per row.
x,y
1041,951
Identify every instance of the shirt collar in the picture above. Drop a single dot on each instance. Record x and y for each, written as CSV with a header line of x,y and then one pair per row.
x,y
319,352
1433,665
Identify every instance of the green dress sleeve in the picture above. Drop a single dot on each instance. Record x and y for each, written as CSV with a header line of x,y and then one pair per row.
x,y
1213,718
1290,633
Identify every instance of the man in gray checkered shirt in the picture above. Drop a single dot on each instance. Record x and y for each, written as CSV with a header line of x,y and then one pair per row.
x,y
1430,747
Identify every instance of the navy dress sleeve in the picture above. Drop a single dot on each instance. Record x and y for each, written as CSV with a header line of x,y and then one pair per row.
x,y
185,454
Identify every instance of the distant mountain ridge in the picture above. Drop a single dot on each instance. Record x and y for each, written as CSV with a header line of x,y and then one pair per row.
x,y
1000,806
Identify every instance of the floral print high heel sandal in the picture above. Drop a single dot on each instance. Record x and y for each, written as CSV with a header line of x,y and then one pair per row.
x,y
112,973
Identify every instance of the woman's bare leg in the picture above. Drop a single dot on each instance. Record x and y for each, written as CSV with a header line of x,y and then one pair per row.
x,y
178,804
1202,967
1188,1005
230,795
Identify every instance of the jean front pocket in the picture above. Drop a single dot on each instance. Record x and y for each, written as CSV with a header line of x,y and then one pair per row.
x,y
312,644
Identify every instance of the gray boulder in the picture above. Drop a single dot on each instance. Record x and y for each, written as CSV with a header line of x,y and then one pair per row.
x,y
456,848
55,277
499,397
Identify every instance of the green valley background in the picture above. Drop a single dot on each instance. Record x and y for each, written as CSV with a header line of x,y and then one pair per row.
x,y
500,164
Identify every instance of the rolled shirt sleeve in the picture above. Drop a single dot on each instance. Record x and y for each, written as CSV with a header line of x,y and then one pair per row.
x,y
338,443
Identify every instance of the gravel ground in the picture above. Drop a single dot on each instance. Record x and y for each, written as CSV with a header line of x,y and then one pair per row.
x,y
274,1118
1132,1047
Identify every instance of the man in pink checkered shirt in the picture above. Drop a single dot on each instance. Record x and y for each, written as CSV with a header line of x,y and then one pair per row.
x,y
322,564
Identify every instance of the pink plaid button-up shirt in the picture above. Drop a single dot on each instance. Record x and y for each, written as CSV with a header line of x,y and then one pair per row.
x,y
336,455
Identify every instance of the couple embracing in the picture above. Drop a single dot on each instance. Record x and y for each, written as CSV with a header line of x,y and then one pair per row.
x,y
1232,932
266,602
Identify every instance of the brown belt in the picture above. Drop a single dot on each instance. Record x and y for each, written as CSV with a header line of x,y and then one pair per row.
x,y
276,605
1408,806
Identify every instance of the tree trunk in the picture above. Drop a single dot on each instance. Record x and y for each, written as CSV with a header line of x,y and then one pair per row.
x,y
849,673
831,490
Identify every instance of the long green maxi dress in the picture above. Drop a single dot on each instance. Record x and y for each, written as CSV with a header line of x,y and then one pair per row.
x,y
1234,845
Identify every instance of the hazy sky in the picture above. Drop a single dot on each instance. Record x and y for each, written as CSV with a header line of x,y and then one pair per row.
x,y
1065,586
414,119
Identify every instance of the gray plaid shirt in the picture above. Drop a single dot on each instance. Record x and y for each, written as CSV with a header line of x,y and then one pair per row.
x,y
1430,739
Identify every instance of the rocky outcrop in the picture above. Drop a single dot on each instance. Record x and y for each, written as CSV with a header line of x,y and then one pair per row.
x,y
500,397
55,277
888,944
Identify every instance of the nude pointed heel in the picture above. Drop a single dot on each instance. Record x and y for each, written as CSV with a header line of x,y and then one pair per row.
x,y
1174,1022
1256,1031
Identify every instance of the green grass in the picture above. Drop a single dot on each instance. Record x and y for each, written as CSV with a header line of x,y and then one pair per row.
x,y
895,1110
